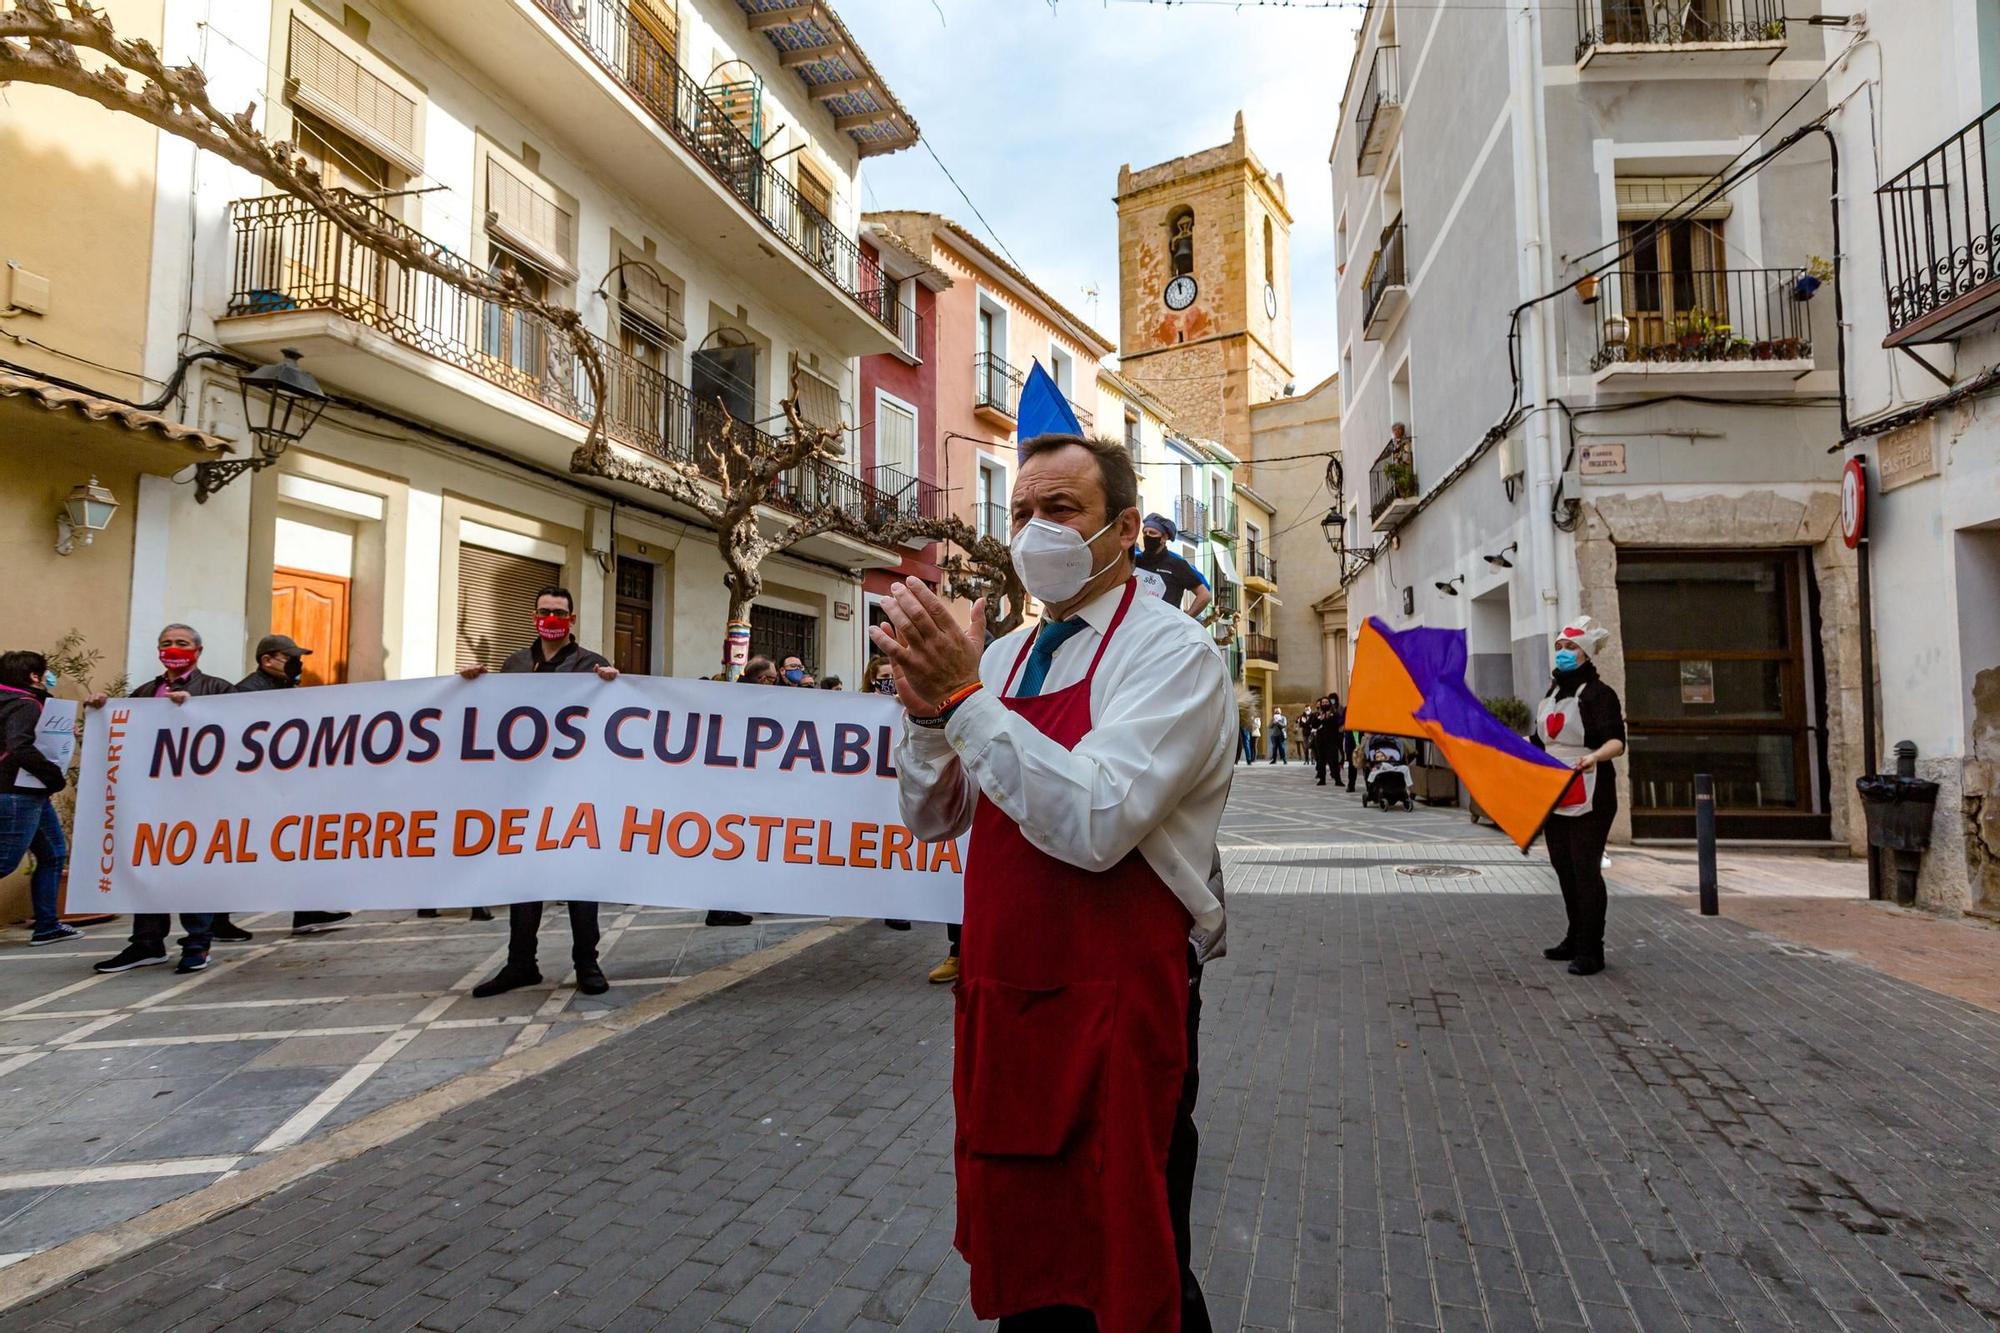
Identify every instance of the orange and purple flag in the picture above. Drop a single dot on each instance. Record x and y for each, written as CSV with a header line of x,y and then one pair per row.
x,y
1412,683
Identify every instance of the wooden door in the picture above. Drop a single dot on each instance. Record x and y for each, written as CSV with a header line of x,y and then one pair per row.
x,y
632,634
312,608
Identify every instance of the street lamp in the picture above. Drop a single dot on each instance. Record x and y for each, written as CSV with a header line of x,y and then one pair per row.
x,y
1334,528
280,404
86,512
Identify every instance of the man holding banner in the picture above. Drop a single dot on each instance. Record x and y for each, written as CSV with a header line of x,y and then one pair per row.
x,y
1090,757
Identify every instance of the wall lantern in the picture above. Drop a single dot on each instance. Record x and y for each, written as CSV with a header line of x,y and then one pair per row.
x,y
1449,587
1499,558
86,513
280,404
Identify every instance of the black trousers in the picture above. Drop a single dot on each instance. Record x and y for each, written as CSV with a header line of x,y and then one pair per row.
x,y
1576,850
524,919
1182,1150
150,929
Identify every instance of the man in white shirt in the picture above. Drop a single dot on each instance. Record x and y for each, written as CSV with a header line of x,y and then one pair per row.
x,y
1090,756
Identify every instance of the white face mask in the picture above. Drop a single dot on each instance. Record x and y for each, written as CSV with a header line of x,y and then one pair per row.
x,y
1054,561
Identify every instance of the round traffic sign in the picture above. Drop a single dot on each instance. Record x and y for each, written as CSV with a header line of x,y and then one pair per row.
x,y
1854,502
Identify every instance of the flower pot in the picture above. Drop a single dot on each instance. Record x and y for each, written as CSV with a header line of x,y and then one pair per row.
x,y
1586,290
1804,286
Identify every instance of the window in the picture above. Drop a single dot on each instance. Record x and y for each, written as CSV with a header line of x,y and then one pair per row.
x,y
1062,369
1675,275
1340,244
815,189
527,215
818,398
1132,434
512,336
778,634
906,317
992,502
727,369
895,441
1180,242
652,41
363,109
1270,254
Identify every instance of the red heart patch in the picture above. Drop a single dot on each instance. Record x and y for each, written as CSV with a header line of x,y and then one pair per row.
x,y
1555,725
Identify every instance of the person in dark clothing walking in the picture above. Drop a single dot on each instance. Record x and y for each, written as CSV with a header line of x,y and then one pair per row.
x,y
180,679
1328,739
1581,722
555,649
281,664
28,781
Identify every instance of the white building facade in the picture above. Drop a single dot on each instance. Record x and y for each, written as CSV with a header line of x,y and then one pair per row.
x,y
681,174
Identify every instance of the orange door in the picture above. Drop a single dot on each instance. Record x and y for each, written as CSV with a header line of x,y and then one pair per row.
x,y
312,608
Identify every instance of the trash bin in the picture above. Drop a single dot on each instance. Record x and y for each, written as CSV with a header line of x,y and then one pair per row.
x,y
1899,811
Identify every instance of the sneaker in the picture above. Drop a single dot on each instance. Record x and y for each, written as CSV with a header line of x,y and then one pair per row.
x,y
133,955
192,960
305,923
226,931
726,919
480,914
507,978
590,979
946,972
57,935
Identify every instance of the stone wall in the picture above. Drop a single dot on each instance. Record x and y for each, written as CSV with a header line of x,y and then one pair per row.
x,y
1789,516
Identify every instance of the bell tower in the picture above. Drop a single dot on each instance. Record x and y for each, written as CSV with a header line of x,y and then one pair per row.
x,y
1204,286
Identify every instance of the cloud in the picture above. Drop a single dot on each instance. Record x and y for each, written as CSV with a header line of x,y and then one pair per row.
x,y
1034,107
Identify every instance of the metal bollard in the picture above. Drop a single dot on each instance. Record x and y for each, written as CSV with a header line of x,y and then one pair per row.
x,y
1704,837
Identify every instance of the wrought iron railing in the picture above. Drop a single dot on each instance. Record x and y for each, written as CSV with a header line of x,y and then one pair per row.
x,y
913,497
1941,225
1191,517
990,520
1260,564
1676,22
1260,647
1382,87
289,256
1393,476
995,384
910,331
1385,270
1741,314
1222,520
645,67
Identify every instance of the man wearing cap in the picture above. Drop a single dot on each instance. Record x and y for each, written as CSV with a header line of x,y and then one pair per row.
x,y
1172,577
280,664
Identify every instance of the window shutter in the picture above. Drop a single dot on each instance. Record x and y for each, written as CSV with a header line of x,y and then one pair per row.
x,y
496,598
322,79
643,293
818,401
896,438
1642,198
523,216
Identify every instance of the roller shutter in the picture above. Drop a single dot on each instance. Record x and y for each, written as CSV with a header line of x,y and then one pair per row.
x,y
496,603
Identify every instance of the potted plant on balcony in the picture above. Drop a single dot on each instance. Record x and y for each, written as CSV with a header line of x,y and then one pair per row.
x,y
1818,272
1403,476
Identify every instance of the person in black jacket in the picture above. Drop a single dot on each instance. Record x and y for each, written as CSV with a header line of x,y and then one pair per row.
x,y
281,664
28,779
180,679
555,649
1328,740
1581,722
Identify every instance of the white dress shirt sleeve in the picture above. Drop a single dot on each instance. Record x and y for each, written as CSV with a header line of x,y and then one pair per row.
x,y
1151,740
935,791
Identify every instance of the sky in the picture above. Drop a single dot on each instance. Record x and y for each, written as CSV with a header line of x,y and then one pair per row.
x,y
1033,104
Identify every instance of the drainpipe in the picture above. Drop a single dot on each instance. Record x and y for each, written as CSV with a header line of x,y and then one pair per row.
x,y
1530,152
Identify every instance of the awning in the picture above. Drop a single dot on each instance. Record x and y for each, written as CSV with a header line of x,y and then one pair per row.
x,y
1225,568
1266,597
55,398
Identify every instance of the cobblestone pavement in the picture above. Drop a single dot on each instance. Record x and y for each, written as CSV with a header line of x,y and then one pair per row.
x,y
1409,1119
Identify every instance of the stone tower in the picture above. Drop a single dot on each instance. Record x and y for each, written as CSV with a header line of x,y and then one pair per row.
x,y
1218,217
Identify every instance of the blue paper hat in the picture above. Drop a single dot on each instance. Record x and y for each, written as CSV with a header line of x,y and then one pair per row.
x,y
1044,410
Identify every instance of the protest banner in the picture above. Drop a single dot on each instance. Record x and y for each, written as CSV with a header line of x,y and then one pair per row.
x,y
451,793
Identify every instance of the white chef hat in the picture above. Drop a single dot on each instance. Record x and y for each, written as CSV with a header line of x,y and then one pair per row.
x,y
1586,634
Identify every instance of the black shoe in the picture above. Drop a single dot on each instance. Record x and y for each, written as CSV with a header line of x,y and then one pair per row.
x,y
506,979
1587,965
192,960
131,956
590,979
305,923
481,914
1560,953
726,919
895,923
228,932
427,911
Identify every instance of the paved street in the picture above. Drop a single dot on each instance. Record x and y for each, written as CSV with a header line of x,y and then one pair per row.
x,y
1409,1119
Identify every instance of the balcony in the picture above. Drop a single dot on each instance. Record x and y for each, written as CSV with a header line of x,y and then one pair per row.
x,y
1706,330
990,520
906,497
1260,649
1380,113
1227,598
1392,483
1939,238
1385,289
1260,567
1628,38
1222,520
996,390
1191,517
505,377
911,335
608,84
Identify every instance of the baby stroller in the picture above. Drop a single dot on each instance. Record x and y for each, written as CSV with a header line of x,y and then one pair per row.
x,y
1388,775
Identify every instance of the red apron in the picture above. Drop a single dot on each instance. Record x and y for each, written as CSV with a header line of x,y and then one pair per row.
x,y
1071,1044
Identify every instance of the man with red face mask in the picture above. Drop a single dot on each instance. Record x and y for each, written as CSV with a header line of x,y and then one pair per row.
x,y
180,680
555,649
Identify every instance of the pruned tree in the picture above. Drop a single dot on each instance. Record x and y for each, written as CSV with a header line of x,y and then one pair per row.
x,y
73,47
